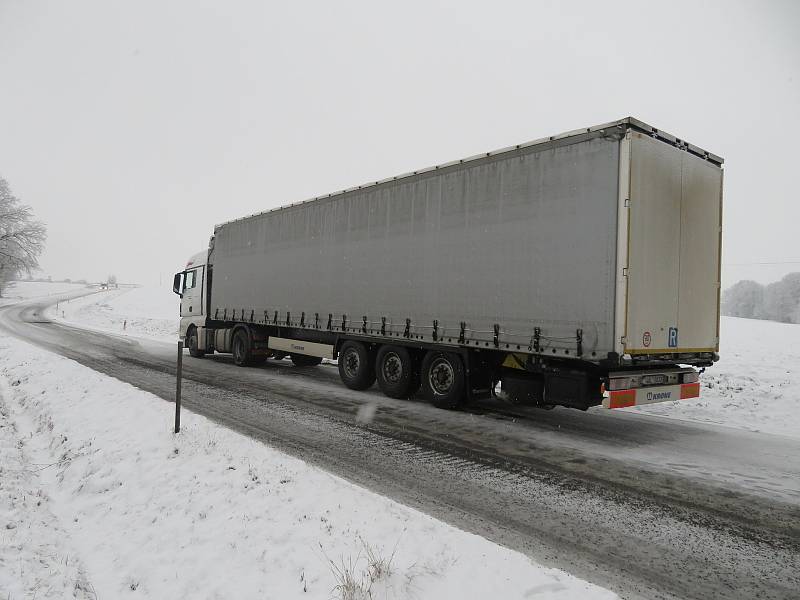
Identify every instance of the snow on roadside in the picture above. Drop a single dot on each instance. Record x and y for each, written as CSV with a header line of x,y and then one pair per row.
x,y
95,474
29,532
754,386
148,312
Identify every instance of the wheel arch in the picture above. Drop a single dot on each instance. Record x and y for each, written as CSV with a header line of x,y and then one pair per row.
x,y
242,327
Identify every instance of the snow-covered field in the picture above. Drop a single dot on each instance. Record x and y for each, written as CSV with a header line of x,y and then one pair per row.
x,y
754,386
99,499
21,290
149,312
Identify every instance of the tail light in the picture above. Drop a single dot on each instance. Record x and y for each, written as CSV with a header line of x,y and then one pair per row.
x,y
650,379
622,383
692,377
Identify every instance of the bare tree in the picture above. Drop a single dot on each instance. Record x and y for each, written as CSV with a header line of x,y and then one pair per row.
x,y
21,236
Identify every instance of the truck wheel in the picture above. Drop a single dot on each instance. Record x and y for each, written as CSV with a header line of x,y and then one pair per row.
x,y
304,360
396,372
443,379
240,347
355,366
191,343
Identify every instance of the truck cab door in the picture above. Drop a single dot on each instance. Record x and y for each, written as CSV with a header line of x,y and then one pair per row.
x,y
192,300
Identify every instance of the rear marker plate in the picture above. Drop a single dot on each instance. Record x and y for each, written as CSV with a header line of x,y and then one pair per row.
x,y
650,395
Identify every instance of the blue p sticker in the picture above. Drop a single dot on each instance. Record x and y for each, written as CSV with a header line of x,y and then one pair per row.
x,y
673,337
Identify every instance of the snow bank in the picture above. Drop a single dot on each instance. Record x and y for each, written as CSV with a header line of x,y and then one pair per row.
x,y
149,312
754,386
100,499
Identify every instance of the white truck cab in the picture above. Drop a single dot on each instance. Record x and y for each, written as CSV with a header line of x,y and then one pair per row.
x,y
189,284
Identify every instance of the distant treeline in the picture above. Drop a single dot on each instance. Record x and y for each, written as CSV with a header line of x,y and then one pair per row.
x,y
779,301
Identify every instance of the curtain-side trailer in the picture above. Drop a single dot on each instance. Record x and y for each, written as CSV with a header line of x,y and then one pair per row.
x,y
576,270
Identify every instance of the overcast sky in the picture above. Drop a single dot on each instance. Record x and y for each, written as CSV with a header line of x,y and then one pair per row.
x,y
132,127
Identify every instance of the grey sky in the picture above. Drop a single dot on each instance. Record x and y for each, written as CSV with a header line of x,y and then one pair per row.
x,y
133,127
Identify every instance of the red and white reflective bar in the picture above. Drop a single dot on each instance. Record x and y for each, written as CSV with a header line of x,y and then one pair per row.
x,y
650,395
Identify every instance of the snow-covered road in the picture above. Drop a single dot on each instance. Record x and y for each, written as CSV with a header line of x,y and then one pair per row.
x,y
591,493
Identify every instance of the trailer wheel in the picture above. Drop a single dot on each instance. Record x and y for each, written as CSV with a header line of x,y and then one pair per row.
x,y
191,343
304,360
355,366
240,347
396,372
443,379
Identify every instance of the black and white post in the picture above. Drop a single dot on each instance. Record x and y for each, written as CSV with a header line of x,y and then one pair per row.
x,y
178,389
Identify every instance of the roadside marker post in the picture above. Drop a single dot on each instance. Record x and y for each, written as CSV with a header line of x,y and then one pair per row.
x,y
178,389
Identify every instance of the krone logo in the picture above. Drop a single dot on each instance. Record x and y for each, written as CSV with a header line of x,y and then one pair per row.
x,y
646,339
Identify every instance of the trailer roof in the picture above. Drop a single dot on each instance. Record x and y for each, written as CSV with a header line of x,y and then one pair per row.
x,y
627,123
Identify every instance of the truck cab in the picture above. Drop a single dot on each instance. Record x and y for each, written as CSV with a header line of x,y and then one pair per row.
x,y
190,285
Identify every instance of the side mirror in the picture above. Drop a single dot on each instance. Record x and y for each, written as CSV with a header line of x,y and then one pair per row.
x,y
177,284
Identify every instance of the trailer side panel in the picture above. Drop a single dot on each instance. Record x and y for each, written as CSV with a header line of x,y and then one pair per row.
x,y
525,239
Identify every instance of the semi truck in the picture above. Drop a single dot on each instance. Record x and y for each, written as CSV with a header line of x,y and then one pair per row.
x,y
578,270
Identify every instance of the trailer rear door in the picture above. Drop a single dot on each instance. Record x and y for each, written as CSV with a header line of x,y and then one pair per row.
x,y
674,245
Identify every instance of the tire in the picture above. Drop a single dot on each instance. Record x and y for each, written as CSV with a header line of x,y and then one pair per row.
x,y
355,366
396,372
240,347
304,360
443,379
191,343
